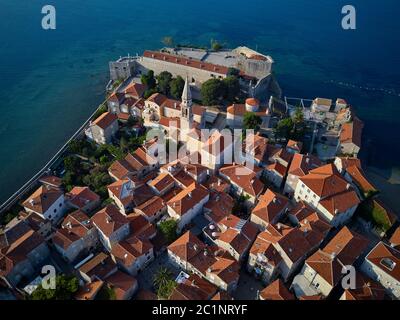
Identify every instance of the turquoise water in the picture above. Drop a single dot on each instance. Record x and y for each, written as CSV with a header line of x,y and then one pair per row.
x,y
50,81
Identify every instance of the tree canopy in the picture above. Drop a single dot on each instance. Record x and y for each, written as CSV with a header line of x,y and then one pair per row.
x,y
231,88
66,287
149,80
164,82
176,87
168,41
251,121
168,229
164,283
212,91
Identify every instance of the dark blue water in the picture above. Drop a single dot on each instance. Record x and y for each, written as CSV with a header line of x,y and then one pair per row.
x,y
50,81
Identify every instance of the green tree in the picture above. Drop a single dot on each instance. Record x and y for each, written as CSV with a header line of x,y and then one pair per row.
x,y
164,283
102,109
251,121
233,72
215,45
106,293
298,117
66,287
168,41
149,80
176,87
231,87
163,82
211,91
169,229
72,163
284,128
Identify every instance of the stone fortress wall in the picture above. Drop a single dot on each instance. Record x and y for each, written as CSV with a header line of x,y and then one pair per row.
x,y
248,61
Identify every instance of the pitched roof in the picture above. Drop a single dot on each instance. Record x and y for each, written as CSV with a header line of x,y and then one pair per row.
x,y
343,249
278,168
193,288
352,131
270,205
121,283
219,206
74,227
358,177
186,246
157,98
100,266
42,199
109,220
294,145
349,162
51,181
276,291
188,198
140,227
302,164
127,251
366,289
340,202
89,290
386,259
325,181
226,268
194,63
105,120
262,247
151,207
135,89
162,182
395,238
19,246
122,190
81,196
243,177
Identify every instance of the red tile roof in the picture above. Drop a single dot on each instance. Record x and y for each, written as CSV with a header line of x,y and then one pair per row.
x,y
386,259
42,199
188,198
270,205
82,196
352,132
105,120
109,220
243,177
276,291
187,246
186,62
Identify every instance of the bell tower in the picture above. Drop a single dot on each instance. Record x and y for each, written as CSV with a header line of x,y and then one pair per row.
x,y
186,108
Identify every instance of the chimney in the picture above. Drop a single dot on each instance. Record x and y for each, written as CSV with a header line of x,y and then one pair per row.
x,y
348,186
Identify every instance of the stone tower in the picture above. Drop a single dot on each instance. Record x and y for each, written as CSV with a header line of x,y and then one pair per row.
x,y
186,108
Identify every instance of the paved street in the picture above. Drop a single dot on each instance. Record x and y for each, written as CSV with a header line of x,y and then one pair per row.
x,y
145,277
248,287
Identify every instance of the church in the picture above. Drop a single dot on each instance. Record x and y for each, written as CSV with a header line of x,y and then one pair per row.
x,y
185,122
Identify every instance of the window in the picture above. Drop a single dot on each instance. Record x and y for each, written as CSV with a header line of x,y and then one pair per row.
x,y
60,205
55,210
388,263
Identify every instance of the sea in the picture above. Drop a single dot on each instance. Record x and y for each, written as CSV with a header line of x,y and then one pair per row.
x,y
52,80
